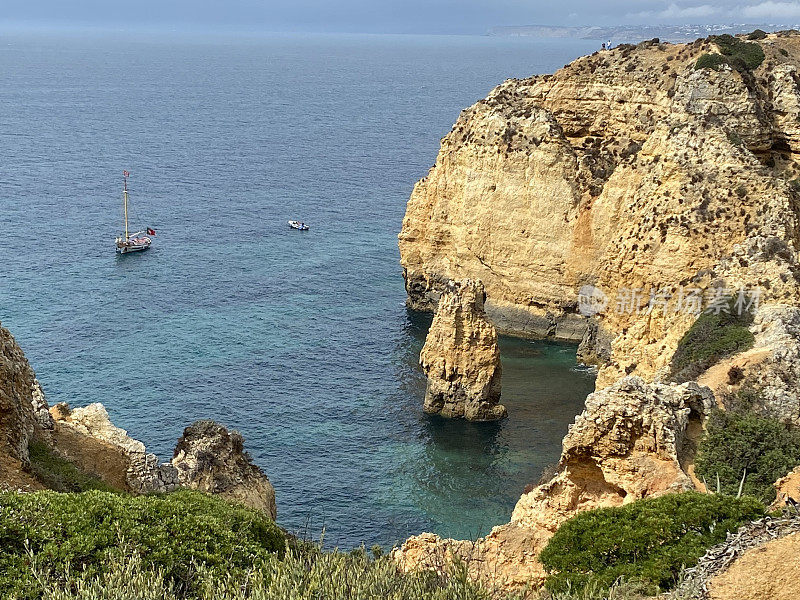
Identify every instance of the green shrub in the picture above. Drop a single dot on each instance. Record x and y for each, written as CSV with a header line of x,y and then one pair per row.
x,y
711,338
758,34
307,575
173,533
743,56
58,474
649,540
711,61
736,441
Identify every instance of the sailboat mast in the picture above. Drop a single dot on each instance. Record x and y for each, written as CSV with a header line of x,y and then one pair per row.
x,y
125,202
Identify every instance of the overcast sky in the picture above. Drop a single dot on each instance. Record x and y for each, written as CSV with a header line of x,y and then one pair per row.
x,y
380,16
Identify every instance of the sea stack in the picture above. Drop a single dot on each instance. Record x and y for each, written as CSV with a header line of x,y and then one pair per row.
x,y
461,358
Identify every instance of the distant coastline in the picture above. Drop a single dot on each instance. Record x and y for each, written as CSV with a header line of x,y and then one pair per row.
x,y
632,33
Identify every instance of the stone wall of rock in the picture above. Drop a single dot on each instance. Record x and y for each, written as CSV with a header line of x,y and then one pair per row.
x,y
461,358
212,459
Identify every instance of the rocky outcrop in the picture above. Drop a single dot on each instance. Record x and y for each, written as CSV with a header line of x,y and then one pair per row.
x,y
629,171
461,358
208,457
88,439
212,459
757,562
633,440
17,417
17,381
787,491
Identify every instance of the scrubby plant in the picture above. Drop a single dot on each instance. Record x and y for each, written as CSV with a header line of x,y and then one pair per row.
x,y
758,34
741,445
711,61
57,473
648,541
740,55
307,573
174,533
744,56
713,336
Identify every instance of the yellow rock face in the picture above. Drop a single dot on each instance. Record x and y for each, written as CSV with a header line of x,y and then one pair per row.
x,y
635,176
626,170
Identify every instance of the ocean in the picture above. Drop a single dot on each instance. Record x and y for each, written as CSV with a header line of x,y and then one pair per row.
x,y
300,340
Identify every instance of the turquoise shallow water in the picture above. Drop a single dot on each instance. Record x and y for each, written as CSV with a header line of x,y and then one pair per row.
x,y
299,340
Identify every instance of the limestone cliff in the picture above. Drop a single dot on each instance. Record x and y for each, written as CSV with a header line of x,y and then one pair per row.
x,y
461,358
632,441
17,418
630,171
208,457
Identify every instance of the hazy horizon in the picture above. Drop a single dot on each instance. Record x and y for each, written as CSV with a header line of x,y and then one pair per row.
x,y
384,16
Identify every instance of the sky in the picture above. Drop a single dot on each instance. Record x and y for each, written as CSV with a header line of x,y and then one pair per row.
x,y
383,16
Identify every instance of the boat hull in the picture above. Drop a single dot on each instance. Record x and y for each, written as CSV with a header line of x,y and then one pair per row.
x,y
132,245
129,249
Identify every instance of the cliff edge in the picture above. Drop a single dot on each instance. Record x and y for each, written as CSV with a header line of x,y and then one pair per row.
x,y
639,174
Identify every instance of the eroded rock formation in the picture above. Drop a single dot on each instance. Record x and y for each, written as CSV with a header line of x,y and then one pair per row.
x,y
633,440
630,171
208,457
88,439
212,459
461,358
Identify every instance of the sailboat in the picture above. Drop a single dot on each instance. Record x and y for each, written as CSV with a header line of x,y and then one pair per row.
x,y
131,242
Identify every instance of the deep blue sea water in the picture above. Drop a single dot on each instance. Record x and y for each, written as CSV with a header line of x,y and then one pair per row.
x,y
299,340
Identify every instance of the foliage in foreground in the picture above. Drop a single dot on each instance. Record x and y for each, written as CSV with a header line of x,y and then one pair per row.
x,y
649,541
711,338
306,574
174,533
739,441
59,474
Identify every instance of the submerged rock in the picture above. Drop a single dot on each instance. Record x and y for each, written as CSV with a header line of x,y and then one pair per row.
x,y
461,358
212,459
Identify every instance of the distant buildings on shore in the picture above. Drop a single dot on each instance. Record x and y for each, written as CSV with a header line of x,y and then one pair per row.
x,y
634,33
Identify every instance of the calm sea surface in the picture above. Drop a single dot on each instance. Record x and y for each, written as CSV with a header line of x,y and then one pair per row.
x,y
299,340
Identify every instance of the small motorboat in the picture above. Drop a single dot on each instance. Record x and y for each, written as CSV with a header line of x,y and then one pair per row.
x,y
298,225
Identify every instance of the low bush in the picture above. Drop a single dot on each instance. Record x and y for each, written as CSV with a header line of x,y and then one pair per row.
x,y
711,61
744,56
739,441
758,34
58,474
649,541
172,533
713,336
309,574
740,55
